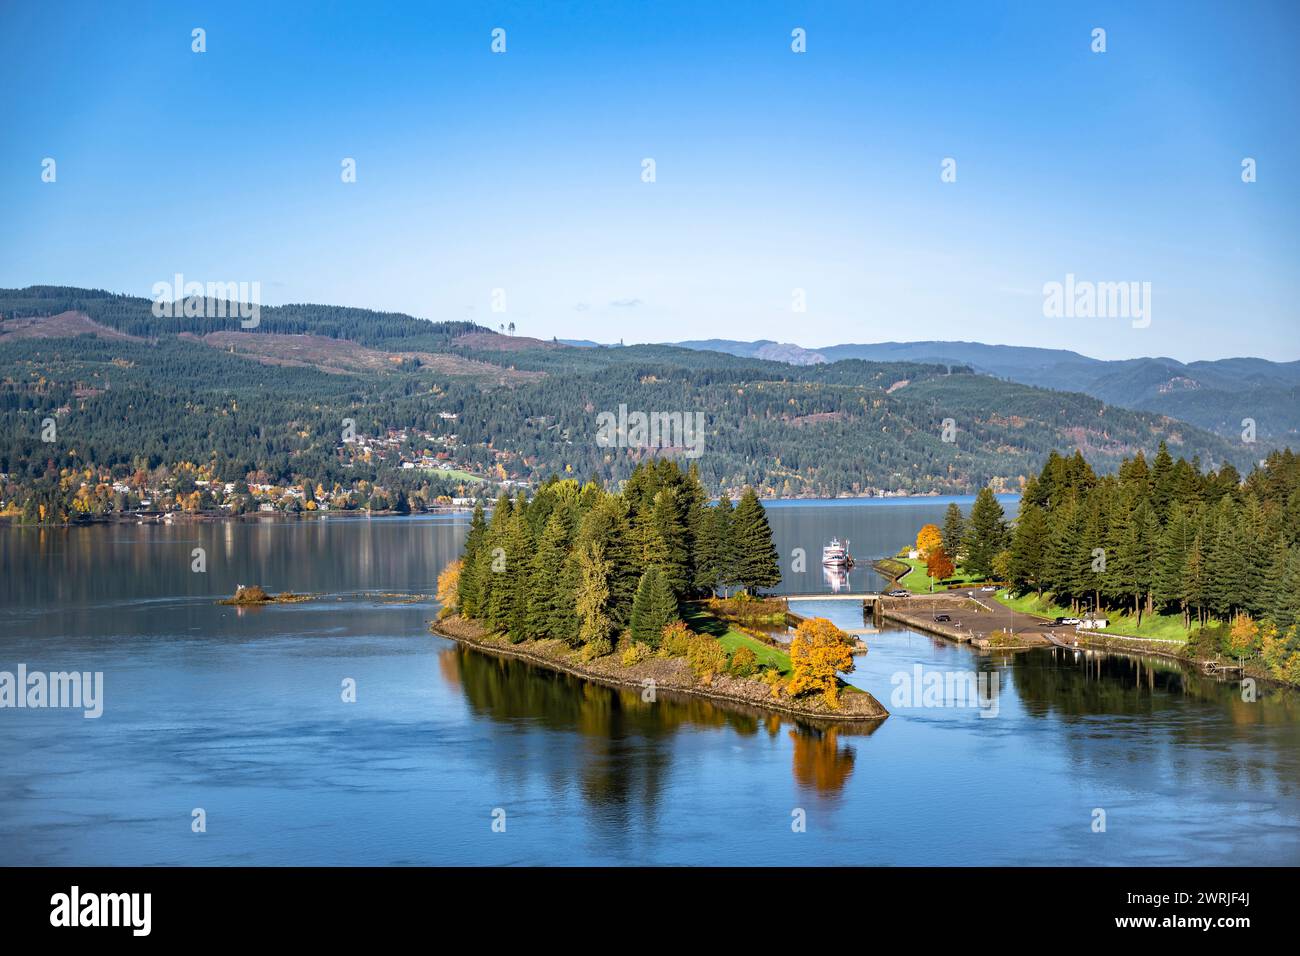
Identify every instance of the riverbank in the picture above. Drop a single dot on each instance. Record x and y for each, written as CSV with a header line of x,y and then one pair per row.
x,y
671,674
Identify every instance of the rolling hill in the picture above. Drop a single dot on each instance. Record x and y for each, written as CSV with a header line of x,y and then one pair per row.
x,y
1216,395
130,390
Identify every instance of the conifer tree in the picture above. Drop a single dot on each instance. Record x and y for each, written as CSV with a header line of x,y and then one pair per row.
x,y
546,574
469,587
954,531
592,599
1029,546
756,557
653,608
986,534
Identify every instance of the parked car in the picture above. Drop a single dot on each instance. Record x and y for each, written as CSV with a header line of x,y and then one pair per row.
x,y
988,588
898,592
941,618
1094,623
1068,620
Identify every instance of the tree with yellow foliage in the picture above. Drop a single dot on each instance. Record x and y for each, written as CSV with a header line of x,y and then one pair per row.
x,y
449,586
1243,635
929,538
819,652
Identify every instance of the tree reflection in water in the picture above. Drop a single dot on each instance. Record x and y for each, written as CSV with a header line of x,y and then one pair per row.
x,y
626,739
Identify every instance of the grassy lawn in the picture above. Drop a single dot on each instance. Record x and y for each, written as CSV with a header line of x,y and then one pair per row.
x,y
1167,627
766,653
701,621
454,474
918,580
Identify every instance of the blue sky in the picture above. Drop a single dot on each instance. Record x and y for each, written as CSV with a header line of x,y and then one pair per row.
x,y
775,171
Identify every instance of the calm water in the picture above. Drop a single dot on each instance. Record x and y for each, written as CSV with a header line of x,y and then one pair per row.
x,y
240,713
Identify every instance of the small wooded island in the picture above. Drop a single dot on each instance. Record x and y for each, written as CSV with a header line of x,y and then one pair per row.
x,y
623,589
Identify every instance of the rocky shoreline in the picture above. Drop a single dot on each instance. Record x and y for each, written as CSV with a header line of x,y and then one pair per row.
x,y
671,674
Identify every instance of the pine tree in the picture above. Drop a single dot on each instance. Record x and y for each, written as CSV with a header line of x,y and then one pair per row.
x,y
756,557
653,608
469,587
986,534
664,540
545,577
606,526
712,545
1162,483
518,577
1194,579
954,531
492,566
1170,558
1286,611
1065,545
1029,546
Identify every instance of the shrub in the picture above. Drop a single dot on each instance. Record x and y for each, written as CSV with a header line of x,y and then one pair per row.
x,y
596,648
707,657
771,676
744,662
676,640
635,653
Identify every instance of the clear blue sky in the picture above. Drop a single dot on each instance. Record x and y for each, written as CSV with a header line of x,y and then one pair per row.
x,y
775,171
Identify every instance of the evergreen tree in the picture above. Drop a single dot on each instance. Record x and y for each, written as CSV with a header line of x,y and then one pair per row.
x,y
492,566
986,534
607,527
756,557
954,531
1162,483
1286,612
664,540
653,608
713,547
469,587
1170,560
1194,589
1029,546
517,580
546,573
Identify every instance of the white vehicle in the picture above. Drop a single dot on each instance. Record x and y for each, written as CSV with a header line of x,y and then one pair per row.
x,y
1093,624
988,589
1071,620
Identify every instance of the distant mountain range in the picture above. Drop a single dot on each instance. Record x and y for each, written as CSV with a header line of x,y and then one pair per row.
x,y
130,390
1215,395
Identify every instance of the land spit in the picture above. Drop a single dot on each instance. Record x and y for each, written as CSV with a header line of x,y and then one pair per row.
x,y
671,674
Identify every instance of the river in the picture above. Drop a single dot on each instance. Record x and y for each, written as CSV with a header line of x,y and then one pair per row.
x,y
236,718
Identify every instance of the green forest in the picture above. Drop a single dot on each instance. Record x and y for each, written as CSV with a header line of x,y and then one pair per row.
x,y
583,564
1165,537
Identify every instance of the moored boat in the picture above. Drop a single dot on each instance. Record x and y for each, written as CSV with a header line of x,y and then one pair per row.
x,y
836,555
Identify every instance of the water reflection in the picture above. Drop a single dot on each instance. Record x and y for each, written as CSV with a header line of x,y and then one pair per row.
x,y
836,579
628,740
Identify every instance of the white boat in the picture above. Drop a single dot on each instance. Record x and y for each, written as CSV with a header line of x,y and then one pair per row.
x,y
836,555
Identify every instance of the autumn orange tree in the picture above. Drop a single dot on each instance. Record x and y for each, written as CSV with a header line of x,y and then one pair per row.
x,y
818,652
938,565
928,539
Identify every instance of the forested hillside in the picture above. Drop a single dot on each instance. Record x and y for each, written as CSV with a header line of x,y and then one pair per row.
x,y
324,405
